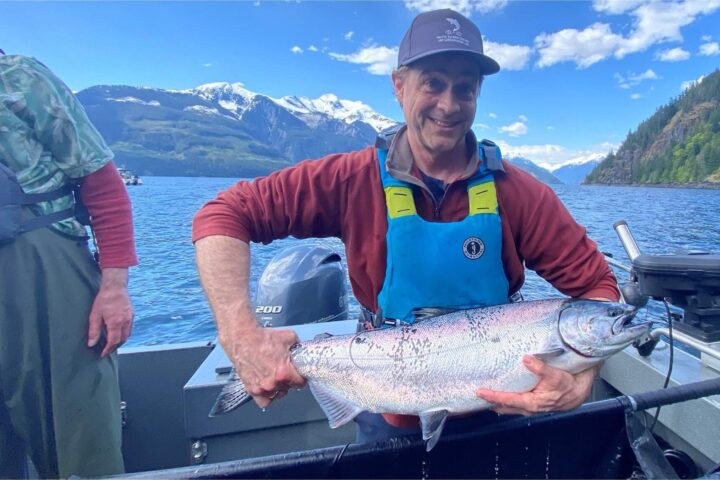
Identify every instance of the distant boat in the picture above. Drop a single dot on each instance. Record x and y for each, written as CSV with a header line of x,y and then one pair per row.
x,y
128,177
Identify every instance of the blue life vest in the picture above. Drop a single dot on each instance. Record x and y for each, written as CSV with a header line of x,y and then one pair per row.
x,y
442,264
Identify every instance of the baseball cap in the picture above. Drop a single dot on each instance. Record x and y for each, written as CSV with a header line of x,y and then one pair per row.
x,y
441,31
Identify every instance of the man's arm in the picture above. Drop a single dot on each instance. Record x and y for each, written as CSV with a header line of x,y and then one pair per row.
x,y
105,196
261,356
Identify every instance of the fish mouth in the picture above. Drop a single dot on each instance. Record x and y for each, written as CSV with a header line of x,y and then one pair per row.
x,y
627,323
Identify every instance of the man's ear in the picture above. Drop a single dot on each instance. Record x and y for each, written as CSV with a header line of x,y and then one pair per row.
x,y
398,82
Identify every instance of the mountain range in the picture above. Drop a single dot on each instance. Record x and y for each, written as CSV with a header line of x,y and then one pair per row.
x,y
575,173
536,171
223,129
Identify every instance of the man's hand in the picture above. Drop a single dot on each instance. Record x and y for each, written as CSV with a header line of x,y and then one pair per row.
x,y
112,310
557,391
261,357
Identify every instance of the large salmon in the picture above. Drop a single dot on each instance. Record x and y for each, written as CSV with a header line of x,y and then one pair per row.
x,y
433,367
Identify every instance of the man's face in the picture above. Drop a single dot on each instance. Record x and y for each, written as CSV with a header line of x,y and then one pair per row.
x,y
438,96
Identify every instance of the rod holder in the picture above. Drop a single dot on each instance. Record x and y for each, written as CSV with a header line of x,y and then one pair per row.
x,y
627,240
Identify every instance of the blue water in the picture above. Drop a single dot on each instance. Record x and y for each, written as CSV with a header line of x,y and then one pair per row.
x,y
170,306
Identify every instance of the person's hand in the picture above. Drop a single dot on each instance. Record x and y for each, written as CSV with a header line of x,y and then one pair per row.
x,y
261,357
111,311
557,391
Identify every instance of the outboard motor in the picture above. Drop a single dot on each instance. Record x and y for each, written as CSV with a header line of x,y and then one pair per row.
x,y
302,284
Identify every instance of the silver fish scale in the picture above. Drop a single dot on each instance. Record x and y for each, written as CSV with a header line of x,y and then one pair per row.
x,y
434,364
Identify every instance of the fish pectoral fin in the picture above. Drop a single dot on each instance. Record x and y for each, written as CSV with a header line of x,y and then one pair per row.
x,y
232,395
430,312
548,354
432,423
338,410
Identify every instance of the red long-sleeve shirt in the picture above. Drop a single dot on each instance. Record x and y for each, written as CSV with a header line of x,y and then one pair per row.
x,y
342,196
105,196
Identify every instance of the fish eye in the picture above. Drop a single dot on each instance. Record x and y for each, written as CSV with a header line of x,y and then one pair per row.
x,y
615,311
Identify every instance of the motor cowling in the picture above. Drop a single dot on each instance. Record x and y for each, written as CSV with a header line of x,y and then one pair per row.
x,y
302,284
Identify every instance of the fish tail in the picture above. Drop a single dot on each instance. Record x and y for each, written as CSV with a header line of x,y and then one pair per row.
x,y
232,396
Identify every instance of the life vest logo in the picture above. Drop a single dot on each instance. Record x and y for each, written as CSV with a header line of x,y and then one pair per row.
x,y
473,248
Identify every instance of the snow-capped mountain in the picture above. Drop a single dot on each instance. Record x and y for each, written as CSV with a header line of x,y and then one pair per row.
x,y
236,98
581,160
574,171
348,111
535,170
224,129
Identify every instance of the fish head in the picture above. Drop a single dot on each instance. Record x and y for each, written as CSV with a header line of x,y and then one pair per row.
x,y
599,329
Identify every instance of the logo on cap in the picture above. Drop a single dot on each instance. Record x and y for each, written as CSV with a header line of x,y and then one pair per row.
x,y
456,27
453,35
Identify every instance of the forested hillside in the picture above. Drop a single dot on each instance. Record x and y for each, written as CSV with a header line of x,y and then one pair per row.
x,y
679,144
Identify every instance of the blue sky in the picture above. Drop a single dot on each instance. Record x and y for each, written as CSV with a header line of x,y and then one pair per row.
x,y
577,75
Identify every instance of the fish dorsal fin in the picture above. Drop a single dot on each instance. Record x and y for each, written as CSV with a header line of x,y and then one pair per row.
x,y
338,410
232,396
430,312
322,336
549,354
432,423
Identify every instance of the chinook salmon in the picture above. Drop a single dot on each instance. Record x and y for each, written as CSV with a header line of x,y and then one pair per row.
x,y
433,367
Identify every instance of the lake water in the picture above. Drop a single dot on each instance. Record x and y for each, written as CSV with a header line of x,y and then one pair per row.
x,y
170,306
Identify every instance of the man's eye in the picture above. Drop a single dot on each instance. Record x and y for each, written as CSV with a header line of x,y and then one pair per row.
x,y
434,84
465,91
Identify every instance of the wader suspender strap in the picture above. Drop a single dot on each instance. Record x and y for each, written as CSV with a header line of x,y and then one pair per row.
x,y
13,194
45,220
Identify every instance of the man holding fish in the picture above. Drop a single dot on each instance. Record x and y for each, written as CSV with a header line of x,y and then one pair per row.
x,y
430,217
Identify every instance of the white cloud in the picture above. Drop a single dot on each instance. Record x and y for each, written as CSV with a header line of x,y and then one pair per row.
x,y
584,47
657,22
256,4
550,127
207,65
481,126
706,38
654,22
635,96
379,60
349,35
510,57
633,79
466,7
514,129
492,115
537,153
616,6
312,48
523,118
296,49
708,49
673,55
685,85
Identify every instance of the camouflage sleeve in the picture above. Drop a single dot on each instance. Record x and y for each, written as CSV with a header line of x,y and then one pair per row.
x,y
61,123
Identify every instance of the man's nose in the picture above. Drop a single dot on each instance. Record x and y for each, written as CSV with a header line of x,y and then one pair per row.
x,y
447,102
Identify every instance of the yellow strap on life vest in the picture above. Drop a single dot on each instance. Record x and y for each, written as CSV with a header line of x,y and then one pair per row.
x,y
399,201
483,198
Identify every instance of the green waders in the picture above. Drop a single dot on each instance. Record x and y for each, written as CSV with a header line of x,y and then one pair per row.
x,y
58,398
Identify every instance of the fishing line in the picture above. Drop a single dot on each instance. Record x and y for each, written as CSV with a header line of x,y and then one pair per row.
x,y
670,367
339,456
